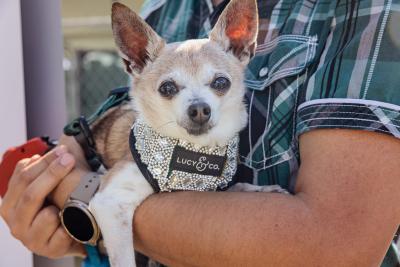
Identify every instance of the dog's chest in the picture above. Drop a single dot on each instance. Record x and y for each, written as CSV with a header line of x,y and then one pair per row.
x,y
170,164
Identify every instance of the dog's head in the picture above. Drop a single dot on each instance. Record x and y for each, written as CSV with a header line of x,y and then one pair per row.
x,y
191,90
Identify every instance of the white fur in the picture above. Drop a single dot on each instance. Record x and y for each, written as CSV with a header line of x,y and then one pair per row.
x,y
113,208
228,112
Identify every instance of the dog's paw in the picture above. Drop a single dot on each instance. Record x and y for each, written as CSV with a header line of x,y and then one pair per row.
x,y
115,221
113,207
244,187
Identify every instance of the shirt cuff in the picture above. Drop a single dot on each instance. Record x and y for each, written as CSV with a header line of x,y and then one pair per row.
x,y
344,113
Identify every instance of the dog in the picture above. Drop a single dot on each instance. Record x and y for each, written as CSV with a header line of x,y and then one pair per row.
x,y
192,91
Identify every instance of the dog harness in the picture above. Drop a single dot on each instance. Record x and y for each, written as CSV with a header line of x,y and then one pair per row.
x,y
80,127
171,164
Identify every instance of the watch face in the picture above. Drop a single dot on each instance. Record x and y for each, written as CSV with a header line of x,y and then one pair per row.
x,y
78,224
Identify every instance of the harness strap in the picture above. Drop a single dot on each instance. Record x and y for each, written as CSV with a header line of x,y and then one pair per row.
x,y
142,166
80,127
86,141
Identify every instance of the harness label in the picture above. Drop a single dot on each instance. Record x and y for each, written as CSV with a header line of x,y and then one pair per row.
x,y
195,162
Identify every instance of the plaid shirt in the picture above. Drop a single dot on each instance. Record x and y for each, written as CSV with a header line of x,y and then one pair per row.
x,y
319,64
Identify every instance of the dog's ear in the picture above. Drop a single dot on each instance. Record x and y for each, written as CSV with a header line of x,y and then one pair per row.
x,y
136,40
236,29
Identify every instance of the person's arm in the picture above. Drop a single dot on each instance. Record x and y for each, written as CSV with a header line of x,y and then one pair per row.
x,y
344,213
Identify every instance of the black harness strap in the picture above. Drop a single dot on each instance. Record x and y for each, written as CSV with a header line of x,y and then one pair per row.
x,y
88,145
80,127
142,166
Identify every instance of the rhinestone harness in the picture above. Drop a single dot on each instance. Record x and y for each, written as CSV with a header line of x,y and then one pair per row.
x,y
156,152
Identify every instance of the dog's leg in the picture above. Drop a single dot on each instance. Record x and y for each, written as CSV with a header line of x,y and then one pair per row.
x,y
244,187
113,207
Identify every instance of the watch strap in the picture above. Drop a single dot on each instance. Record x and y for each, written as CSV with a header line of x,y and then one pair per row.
x,y
87,187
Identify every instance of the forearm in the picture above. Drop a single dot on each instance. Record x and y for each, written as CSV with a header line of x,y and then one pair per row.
x,y
227,229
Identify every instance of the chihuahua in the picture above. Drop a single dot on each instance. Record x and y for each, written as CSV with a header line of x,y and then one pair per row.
x,y
191,91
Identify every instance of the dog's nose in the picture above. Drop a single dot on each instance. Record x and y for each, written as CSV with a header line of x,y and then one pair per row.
x,y
199,113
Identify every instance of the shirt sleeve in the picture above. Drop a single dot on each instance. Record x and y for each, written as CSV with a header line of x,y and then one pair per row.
x,y
356,83
177,21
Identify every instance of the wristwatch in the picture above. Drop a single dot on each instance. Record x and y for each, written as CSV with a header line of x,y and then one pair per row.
x,y
76,217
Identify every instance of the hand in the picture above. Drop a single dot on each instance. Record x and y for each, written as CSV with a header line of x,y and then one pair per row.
x,y
36,225
61,193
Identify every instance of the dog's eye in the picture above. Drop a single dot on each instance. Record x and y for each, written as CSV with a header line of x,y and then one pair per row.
x,y
220,84
168,89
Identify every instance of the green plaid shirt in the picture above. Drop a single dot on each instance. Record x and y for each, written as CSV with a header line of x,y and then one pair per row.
x,y
318,64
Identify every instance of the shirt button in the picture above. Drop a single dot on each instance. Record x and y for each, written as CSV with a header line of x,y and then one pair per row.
x,y
263,72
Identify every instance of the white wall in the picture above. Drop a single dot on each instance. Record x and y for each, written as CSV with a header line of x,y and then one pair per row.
x,y
12,98
12,113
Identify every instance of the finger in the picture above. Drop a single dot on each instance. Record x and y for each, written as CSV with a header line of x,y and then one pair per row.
x,y
34,158
33,197
6,202
59,244
37,166
43,227
21,164
32,169
75,149
10,197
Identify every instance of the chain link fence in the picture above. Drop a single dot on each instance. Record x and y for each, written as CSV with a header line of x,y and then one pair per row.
x,y
90,75
99,72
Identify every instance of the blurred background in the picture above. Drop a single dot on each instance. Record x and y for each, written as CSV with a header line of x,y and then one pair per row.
x,y
91,64
58,60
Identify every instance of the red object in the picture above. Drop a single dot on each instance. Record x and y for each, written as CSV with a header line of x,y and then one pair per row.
x,y
10,159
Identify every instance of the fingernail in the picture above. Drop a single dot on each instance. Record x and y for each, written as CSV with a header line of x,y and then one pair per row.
x,y
66,160
60,150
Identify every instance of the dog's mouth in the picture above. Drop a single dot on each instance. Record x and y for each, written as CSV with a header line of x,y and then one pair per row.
x,y
197,129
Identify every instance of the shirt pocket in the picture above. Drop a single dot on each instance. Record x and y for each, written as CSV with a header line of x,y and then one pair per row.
x,y
284,56
273,78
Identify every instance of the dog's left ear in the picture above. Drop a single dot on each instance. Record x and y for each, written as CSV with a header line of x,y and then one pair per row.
x,y
236,29
136,40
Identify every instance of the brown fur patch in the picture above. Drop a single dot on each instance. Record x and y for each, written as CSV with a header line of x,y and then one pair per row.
x,y
134,37
111,134
237,27
240,29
